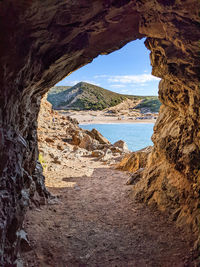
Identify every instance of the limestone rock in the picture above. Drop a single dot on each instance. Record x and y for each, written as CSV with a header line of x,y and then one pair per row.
x,y
24,242
88,143
122,145
81,152
97,153
135,177
132,162
77,138
107,155
49,140
99,137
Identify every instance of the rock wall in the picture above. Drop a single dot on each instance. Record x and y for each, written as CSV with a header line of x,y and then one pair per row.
x,y
43,41
171,178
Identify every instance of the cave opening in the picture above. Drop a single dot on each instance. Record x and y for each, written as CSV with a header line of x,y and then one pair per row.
x,y
41,42
126,125
126,72
92,207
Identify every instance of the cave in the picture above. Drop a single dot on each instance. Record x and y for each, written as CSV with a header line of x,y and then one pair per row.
x,y
42,42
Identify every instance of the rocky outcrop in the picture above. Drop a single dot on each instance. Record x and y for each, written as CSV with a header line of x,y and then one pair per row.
x,y
99,137
133,161
60,139
43,42
121,145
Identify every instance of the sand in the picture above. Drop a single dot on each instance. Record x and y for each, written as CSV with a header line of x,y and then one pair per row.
x,y
96,222
100,117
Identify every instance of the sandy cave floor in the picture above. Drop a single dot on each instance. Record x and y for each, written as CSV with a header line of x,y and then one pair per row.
x,y
97,223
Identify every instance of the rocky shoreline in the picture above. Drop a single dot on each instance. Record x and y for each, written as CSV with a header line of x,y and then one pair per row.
x,y
62,142
121,113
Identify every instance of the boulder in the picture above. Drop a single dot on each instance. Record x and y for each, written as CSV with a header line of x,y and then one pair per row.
x,y
107,155
135,177
99,137
132,162
122,145
76,137
78,152
88,143
97,153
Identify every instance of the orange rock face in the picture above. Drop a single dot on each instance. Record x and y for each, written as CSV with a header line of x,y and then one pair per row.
x,y
133,161
42,42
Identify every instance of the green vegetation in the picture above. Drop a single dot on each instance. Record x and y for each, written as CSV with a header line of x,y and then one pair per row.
x,y
58,89
42,161
55,95
85,96
150,102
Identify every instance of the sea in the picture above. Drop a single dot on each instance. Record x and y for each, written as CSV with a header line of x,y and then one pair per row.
x,y
136,135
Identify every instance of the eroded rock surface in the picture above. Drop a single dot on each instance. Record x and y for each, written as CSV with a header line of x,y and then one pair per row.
x,y
42,42
61,140
133,161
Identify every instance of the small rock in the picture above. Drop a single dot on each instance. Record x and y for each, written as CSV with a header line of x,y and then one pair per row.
x,y
24,242
99,137
121,144
135,177
97,153
49,140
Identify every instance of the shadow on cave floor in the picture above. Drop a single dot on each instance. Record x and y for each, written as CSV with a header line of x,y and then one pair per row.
x,y
97,223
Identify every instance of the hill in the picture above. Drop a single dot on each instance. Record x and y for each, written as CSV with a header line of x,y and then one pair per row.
x,y
149,102
85,96
58,89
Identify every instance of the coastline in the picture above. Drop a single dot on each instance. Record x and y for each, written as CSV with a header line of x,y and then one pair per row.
x,y
117,122
86,119
99,118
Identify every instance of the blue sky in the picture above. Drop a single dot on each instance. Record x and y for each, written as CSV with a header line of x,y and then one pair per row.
x,y
125,71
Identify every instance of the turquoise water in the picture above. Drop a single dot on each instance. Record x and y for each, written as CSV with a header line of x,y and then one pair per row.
x,y
136,135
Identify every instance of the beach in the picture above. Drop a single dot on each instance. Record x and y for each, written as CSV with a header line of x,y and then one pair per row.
x,y
100,117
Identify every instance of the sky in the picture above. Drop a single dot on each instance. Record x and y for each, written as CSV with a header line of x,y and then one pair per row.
x,y
125,71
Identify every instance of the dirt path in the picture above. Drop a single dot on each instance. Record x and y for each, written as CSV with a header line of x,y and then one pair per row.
x,y
96,223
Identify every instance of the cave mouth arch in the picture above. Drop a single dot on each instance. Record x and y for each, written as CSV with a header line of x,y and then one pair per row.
x,y
40,42
125,72
59,136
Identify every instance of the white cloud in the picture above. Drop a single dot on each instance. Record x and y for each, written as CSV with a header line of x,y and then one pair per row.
x,y
72,83
117,85
92,82
126,91
143,84
68,83
101,76
124,79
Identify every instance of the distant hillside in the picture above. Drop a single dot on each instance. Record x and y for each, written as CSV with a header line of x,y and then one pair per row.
x,y
85,96
58,89
149,102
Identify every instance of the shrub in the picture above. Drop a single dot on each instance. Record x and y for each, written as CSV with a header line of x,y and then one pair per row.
x,y
42,161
